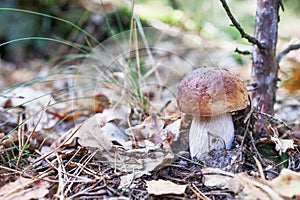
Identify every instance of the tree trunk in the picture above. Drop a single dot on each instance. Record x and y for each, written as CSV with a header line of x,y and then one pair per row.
x,y
264,66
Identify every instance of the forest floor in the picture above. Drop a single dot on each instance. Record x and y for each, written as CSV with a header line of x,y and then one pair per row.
x,y
105,125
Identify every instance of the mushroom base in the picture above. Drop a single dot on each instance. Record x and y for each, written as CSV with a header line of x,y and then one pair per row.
x,y
210,132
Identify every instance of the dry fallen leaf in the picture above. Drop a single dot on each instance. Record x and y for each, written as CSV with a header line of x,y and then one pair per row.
x,y
161,187
215,177
139,164
287,184
154,130
89,134
282,145
97,133
249,188
100,132
292,84
34,102
149,130
24,188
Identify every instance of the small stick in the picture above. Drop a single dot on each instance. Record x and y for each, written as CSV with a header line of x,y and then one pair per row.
x,y
286,51
246,52
198,193
236,24
263,163
53,151
247,122
273,119
260,169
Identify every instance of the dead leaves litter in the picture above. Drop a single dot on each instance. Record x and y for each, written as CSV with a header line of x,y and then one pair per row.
x,y
24,188
161,187
135,150
214,177
285,185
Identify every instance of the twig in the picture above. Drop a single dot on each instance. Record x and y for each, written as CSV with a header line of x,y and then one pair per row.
x,y
77,173
280,4
54,150
286,51
247,121
273,119
235,23
9,192
260,168
198,193
52,166
3,168
61,181
263,163
246,52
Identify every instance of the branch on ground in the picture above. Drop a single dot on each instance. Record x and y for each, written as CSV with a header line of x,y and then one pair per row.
x,y
286,51
236,24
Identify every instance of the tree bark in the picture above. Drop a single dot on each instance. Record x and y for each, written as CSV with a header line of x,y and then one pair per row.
x,y
264,66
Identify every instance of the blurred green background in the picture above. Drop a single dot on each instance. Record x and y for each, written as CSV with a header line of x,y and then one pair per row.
x,y
105,18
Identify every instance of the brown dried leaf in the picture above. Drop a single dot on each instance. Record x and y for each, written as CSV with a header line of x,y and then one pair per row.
x,y
161,187
249,188
154,131
99,132
214,177
149,130
292,84
174,128
138,162
89,134
93,104
24,188
287,183
143,160
34,102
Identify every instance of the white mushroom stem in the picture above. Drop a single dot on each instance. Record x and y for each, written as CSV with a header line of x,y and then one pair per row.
x,y
210,132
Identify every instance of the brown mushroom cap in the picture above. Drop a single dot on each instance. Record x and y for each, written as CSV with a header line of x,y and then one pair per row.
x,y
209,91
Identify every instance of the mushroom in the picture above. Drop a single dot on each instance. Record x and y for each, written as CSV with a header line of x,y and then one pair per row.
x,y
210,95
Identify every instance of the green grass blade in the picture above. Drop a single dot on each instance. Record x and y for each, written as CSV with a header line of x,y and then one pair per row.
x,y
47,39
